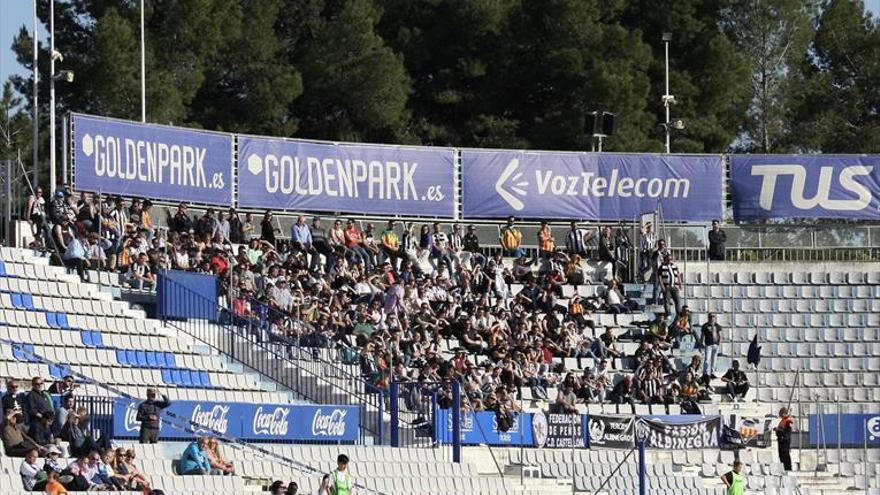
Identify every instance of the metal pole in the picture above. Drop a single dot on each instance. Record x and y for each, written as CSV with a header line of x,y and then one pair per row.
x,y
456,422
839,406
666,97
143,70
757,376
8,214
36,111
573,462
521,434
64,176
643,471
52,178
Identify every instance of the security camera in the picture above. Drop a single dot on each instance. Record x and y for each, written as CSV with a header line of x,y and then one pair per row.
x,y
678,124
668,100
66,76
57,56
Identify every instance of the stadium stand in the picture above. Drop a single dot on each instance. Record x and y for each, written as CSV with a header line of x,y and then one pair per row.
x,y
818,323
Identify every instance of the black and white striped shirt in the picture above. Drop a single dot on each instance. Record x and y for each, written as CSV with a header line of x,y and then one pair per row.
x,y
669,274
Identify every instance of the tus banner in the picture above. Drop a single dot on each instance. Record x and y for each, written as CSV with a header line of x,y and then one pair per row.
x,y
482,428
792,186
856,430
300,175
680,432
254,422
151,161
611,432
556,431
593,186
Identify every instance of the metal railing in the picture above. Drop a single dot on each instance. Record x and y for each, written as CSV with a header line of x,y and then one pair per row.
x,y
292,363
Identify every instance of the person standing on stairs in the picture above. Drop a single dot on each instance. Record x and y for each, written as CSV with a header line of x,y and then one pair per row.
x,y
783,437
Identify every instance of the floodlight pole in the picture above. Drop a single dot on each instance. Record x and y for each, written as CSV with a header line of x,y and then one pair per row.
x,y
36,123
666,97
143,69
52,178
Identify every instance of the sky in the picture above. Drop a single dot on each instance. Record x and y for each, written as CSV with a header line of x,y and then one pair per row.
x,y
15,13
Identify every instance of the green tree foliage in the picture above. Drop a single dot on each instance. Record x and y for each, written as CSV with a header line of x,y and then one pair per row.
x,y
708,76
356,86
788,75
838,98
773,36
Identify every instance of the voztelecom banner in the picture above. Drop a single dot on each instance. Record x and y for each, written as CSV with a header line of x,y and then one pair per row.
x,y
802,186
593,186
345,177
151,161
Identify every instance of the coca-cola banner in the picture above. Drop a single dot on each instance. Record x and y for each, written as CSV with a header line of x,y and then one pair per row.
x,y
252,422
679,432
610,432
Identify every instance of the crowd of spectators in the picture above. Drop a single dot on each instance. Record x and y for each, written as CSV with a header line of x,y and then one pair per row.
x,y
387,298
35,427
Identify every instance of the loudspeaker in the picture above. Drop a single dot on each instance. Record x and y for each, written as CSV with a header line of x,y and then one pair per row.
x,y
602,123
609,123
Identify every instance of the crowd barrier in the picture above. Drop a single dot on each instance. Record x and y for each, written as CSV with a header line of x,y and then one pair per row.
x,y
176,164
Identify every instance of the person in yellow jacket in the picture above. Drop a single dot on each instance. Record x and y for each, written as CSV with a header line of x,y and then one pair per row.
x,y
340,481
734,480
511,239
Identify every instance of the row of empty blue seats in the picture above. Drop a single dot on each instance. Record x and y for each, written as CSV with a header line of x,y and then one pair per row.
x,y
146,359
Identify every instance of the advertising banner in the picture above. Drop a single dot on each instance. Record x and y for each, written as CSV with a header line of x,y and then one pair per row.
x,y
557,431
755,432
855,430
611,432
151,161
481,428
680,432
592,186
796,186
248,421
301,175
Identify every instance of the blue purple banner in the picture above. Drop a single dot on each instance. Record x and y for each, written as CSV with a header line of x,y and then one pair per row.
x,y
794,186
151,161
593,186
302,175
247,421
856,430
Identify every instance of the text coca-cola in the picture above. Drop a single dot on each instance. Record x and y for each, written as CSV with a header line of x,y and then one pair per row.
x,y
329,425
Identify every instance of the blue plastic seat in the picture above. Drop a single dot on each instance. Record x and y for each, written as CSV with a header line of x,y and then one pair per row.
x,y
18,352
121,357
160,360
28,301
171,359
187,377
98,339
205,379
26,353
151,359
2,269
56,371
52,320
61,318
176,378
16,300
166,377
86,338
141,357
